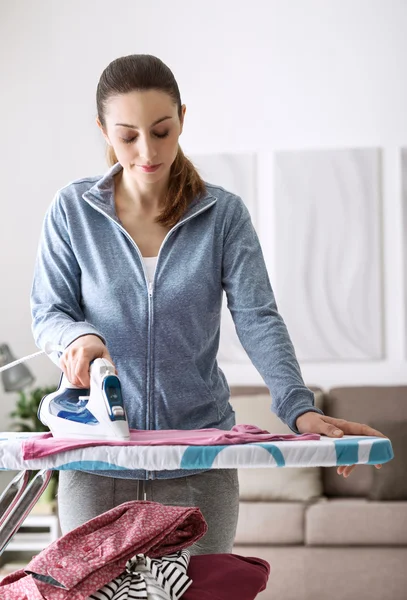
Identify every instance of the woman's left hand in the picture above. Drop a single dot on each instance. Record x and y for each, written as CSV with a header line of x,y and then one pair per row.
x,y
312,422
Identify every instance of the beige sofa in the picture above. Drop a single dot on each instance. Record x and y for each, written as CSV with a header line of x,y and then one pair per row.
x,y
327,537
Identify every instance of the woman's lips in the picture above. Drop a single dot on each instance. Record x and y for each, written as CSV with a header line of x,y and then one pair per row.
x,y
149,169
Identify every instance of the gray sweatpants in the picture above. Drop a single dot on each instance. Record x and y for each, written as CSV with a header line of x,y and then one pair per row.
x,y
83,496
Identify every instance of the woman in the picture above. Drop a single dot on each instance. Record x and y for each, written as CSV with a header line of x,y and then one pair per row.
x,y
132,266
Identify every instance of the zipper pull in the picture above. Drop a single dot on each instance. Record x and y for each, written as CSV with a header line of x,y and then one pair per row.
x,y
150,288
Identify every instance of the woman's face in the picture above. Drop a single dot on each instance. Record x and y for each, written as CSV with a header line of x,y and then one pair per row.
x,y
143,128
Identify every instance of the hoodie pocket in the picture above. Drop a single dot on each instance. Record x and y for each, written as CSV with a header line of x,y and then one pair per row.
x,y
182,399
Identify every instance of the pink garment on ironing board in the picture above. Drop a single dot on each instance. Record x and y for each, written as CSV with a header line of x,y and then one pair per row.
x,y
46,444
93,554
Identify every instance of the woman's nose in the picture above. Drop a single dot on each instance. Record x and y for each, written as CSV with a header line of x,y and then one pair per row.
x,y
147,151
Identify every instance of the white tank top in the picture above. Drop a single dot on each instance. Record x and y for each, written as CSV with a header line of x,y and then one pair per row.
x,y
150,263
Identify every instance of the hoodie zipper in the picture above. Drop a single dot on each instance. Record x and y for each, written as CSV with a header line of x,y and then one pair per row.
x,y
149,354
150,289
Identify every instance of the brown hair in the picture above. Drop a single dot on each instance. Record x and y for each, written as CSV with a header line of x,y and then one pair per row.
x,y
139,72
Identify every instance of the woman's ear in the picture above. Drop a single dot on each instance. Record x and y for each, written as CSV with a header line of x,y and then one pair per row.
x,y
183,111
102,129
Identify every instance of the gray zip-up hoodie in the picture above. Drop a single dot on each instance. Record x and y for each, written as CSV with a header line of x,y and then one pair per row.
x,y
89,278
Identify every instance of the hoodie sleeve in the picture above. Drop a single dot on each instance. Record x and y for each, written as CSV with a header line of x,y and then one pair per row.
x,y
57,316
259,326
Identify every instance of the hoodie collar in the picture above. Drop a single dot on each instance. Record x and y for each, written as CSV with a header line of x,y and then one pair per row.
x,y
101,194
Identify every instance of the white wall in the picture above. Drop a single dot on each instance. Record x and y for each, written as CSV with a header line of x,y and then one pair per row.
x,y
256,77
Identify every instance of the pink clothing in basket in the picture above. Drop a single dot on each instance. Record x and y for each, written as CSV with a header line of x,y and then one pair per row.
x,y
214,577
93,554
45,445
226,577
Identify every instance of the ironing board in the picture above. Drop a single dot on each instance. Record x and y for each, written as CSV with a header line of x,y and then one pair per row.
x,y
21,495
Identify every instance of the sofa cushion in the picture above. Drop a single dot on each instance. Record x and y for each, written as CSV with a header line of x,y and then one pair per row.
x,y
363,404
390,482
252,406
356,522
270,523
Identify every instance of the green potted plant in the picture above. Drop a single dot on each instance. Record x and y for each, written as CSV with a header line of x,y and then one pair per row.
x,y
25,419
26,410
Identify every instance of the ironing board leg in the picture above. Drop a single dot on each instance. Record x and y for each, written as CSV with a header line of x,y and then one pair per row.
x,y
21,505
12,493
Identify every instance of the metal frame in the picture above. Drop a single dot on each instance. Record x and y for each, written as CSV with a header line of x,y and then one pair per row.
x,y
18,499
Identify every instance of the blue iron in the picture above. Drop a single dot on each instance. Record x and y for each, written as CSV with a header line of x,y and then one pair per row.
x,y
98,413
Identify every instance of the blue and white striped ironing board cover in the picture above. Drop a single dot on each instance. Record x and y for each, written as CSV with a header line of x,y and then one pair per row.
x,y
326,452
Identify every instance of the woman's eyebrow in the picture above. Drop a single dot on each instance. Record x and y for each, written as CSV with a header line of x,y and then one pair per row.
x,y
135,126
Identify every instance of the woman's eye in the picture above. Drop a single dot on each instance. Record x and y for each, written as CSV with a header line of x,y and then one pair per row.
x,y
157,135
129,140
161,135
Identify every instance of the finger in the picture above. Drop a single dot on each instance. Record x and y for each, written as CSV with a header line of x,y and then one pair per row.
x,y
353,428
112,363
82,377
330,430
348,470
66,371
65,364
345,470
62,365
341,469
322,426
70,372
106,355
68,366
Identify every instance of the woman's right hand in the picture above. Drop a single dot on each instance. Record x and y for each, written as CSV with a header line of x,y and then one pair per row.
x,y
77,357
